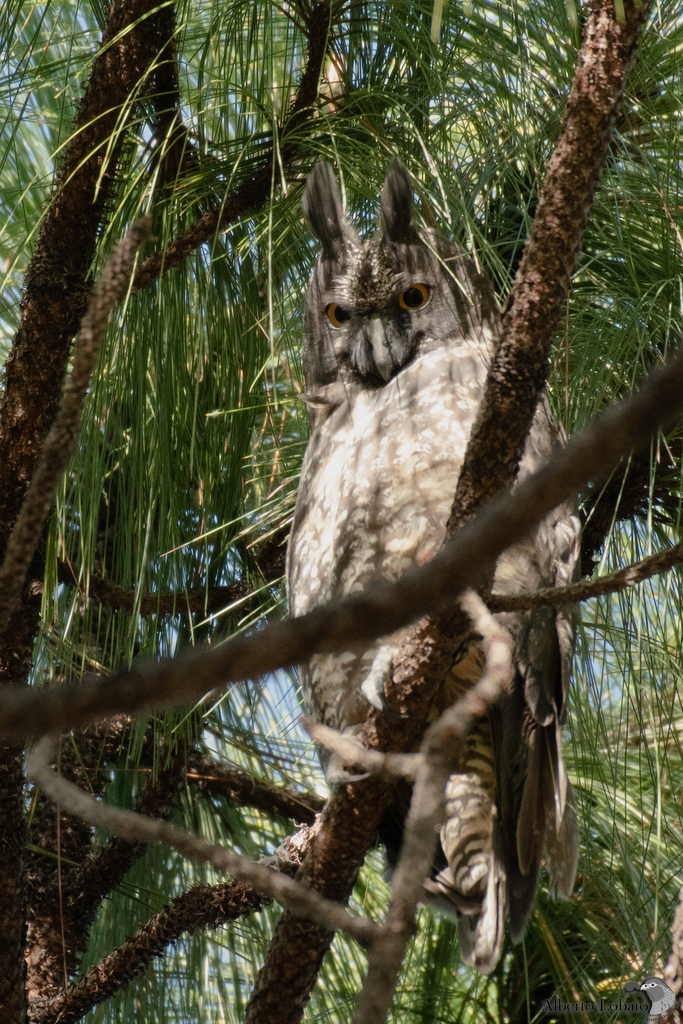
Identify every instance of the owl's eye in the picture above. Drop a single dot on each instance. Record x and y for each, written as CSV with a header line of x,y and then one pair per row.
x,y
336,314
414,297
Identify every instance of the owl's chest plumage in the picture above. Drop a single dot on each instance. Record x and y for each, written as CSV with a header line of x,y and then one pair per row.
x,y
376,490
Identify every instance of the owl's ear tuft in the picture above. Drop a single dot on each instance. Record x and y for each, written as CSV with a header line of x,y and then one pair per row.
x,y
323,210
397,203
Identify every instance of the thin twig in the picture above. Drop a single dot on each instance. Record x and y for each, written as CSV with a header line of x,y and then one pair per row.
x,y
611,583
137,828
62,440
442,749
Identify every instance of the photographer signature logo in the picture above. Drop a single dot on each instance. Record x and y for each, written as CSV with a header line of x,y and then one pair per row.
x,y
658,992
655,990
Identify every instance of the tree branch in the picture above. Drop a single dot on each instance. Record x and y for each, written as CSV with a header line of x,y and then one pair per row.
x,y
236,785
137,828
442,749
62,439
203,907
198,600
55,293
74,893
255,191
384,607
611,583
519,368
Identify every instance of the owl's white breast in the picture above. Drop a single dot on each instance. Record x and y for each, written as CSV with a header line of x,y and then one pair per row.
x,y
376,490
379,477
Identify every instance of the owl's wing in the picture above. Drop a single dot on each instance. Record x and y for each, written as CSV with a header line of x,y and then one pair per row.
x,y
536,808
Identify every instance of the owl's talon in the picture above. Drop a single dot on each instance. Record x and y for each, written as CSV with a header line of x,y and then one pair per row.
x,y
373,685
338,775
339,769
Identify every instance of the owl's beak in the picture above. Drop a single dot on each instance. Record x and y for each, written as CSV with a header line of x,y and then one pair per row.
x,y
380,348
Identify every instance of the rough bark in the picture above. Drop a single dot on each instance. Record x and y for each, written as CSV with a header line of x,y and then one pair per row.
x,y
519,369
216,779
201,908
349,827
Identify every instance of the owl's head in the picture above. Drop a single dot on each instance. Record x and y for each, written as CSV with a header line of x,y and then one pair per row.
x,y
374,306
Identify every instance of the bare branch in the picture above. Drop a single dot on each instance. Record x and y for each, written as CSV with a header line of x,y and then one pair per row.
x,y
442,749
197,600
255,191
139,829
611,583
202,907
62,440
380,610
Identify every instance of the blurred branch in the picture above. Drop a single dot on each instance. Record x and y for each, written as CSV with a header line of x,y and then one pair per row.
x,y
442,749
353,754
137,828
254,192
384,607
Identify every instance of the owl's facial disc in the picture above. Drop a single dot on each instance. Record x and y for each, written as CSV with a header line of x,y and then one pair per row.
x,y
376,343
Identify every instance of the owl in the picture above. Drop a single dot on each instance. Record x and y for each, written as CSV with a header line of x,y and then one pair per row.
x,y
399,332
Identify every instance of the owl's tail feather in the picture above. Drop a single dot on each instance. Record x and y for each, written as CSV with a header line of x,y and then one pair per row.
x,y
481,923
562,849
546,823
489,931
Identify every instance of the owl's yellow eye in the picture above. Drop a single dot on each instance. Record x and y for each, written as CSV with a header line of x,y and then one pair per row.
x,y
414,297
336,314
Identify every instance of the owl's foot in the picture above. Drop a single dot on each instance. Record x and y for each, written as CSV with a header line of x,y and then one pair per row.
x,y
373,686
339,771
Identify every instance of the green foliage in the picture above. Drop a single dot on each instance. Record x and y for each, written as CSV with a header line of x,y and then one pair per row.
x,y
193,435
